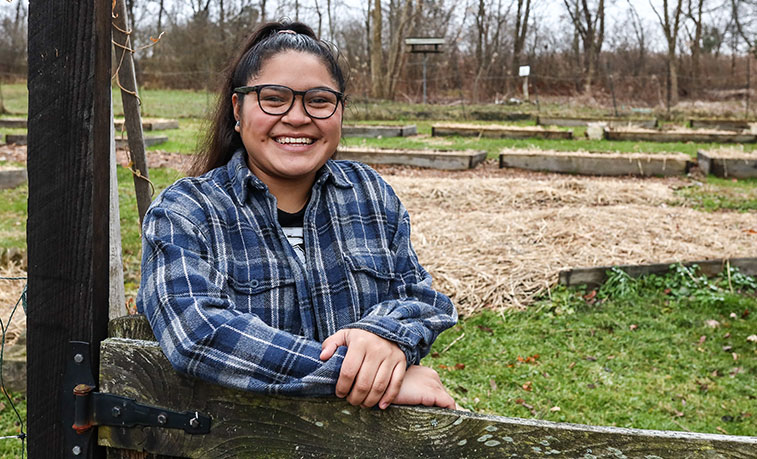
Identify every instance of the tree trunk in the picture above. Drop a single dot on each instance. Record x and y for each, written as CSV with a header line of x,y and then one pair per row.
x,y
376,53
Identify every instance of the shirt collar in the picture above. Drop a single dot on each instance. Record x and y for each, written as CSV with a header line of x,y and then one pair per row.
x,y
242,179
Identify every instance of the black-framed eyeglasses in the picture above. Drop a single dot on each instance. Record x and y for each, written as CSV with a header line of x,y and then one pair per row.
x,y
276,100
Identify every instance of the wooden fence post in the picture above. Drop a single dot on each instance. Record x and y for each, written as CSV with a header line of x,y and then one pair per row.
x,y
67,233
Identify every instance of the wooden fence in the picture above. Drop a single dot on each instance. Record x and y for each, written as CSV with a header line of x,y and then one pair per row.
x,y
249,425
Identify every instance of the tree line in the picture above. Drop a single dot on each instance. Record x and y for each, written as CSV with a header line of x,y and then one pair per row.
x,y
640,53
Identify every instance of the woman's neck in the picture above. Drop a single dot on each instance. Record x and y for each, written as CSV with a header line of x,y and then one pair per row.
x,y
291,196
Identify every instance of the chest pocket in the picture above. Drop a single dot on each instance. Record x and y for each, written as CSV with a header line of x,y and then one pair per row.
x,y
266,288
371,272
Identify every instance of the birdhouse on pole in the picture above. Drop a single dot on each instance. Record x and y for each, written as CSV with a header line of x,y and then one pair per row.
x,y
425,46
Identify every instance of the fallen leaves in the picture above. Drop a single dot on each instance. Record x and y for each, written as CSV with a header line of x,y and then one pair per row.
x,y
752,338
712,323
527,386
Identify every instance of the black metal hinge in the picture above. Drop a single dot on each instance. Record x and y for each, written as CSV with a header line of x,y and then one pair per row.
x,y
85,408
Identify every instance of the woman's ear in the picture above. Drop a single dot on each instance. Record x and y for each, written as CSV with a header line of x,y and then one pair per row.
x,y
235,102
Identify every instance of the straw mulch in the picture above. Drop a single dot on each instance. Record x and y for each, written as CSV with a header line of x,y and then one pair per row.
x,y
10,292
500,242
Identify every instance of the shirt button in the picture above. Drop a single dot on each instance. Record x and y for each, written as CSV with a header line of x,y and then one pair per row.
x,y
254,283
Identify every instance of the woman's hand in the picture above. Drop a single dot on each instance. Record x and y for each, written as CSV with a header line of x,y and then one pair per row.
x,y
422,386
373,369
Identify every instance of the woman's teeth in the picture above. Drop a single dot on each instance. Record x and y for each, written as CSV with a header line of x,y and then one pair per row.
x,y
294,140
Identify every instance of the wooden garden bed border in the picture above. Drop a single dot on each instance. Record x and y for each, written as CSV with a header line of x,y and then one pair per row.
x,y
371,130
497,131
435,159
584,121
726,167
594,277
678,136
606,164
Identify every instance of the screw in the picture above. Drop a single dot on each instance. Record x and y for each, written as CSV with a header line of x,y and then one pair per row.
x,y
78,358
76,450
194,423
116,411
162,418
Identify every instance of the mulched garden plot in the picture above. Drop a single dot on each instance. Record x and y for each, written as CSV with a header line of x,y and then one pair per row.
x,y
721,124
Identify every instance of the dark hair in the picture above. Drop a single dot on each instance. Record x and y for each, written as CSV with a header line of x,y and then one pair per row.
x,y
221,140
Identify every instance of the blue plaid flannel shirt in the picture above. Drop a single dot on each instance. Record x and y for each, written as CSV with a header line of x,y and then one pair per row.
x,y
229,301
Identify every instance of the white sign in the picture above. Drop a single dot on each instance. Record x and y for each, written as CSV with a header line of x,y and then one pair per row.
x,y
524,70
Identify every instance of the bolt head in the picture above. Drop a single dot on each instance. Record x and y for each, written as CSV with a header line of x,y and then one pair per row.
x,y
116,411
162,419
76,450
194,423
78,358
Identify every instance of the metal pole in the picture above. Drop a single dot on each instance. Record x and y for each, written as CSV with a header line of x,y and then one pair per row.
x,y
425,55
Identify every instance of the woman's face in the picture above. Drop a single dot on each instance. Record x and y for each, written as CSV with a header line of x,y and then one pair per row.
x,y
292,146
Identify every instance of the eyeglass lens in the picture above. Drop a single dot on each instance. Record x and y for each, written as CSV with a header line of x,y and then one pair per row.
x,y
277,100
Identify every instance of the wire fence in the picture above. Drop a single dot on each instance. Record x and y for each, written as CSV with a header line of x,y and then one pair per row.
x,y
5,327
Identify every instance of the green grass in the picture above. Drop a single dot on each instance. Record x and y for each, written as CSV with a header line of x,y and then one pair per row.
x,y
13,217
130,232
9,425
718,194
15,98
631,356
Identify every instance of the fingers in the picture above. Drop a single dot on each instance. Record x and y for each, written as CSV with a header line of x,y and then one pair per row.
x,y
364,381
395,384
382,381
352,364
330,344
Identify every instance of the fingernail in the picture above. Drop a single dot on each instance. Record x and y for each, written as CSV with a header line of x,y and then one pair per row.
x,y
383,406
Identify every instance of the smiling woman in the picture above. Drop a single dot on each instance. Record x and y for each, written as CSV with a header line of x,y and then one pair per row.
x,y
276,269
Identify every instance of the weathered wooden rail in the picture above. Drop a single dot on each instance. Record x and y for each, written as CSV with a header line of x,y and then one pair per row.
x,y
249,425
597,163
499,131
434,159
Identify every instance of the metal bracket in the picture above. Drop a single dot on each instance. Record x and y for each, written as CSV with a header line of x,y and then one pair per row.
x,y
84,408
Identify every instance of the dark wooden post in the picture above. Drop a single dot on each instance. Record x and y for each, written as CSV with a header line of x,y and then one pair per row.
x,y
67,235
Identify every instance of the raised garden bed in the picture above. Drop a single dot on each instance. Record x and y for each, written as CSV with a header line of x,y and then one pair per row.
x,y
149,141
16,139
434,159
597,163
699,136
378,131
13,123
499,131
727,163
721,124
11,177
648,123
596,276
483,115
150,124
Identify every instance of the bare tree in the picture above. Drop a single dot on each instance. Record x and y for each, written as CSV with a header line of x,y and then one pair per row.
x,y
377,88
744,14
590,25
520,32
694,12
671,24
